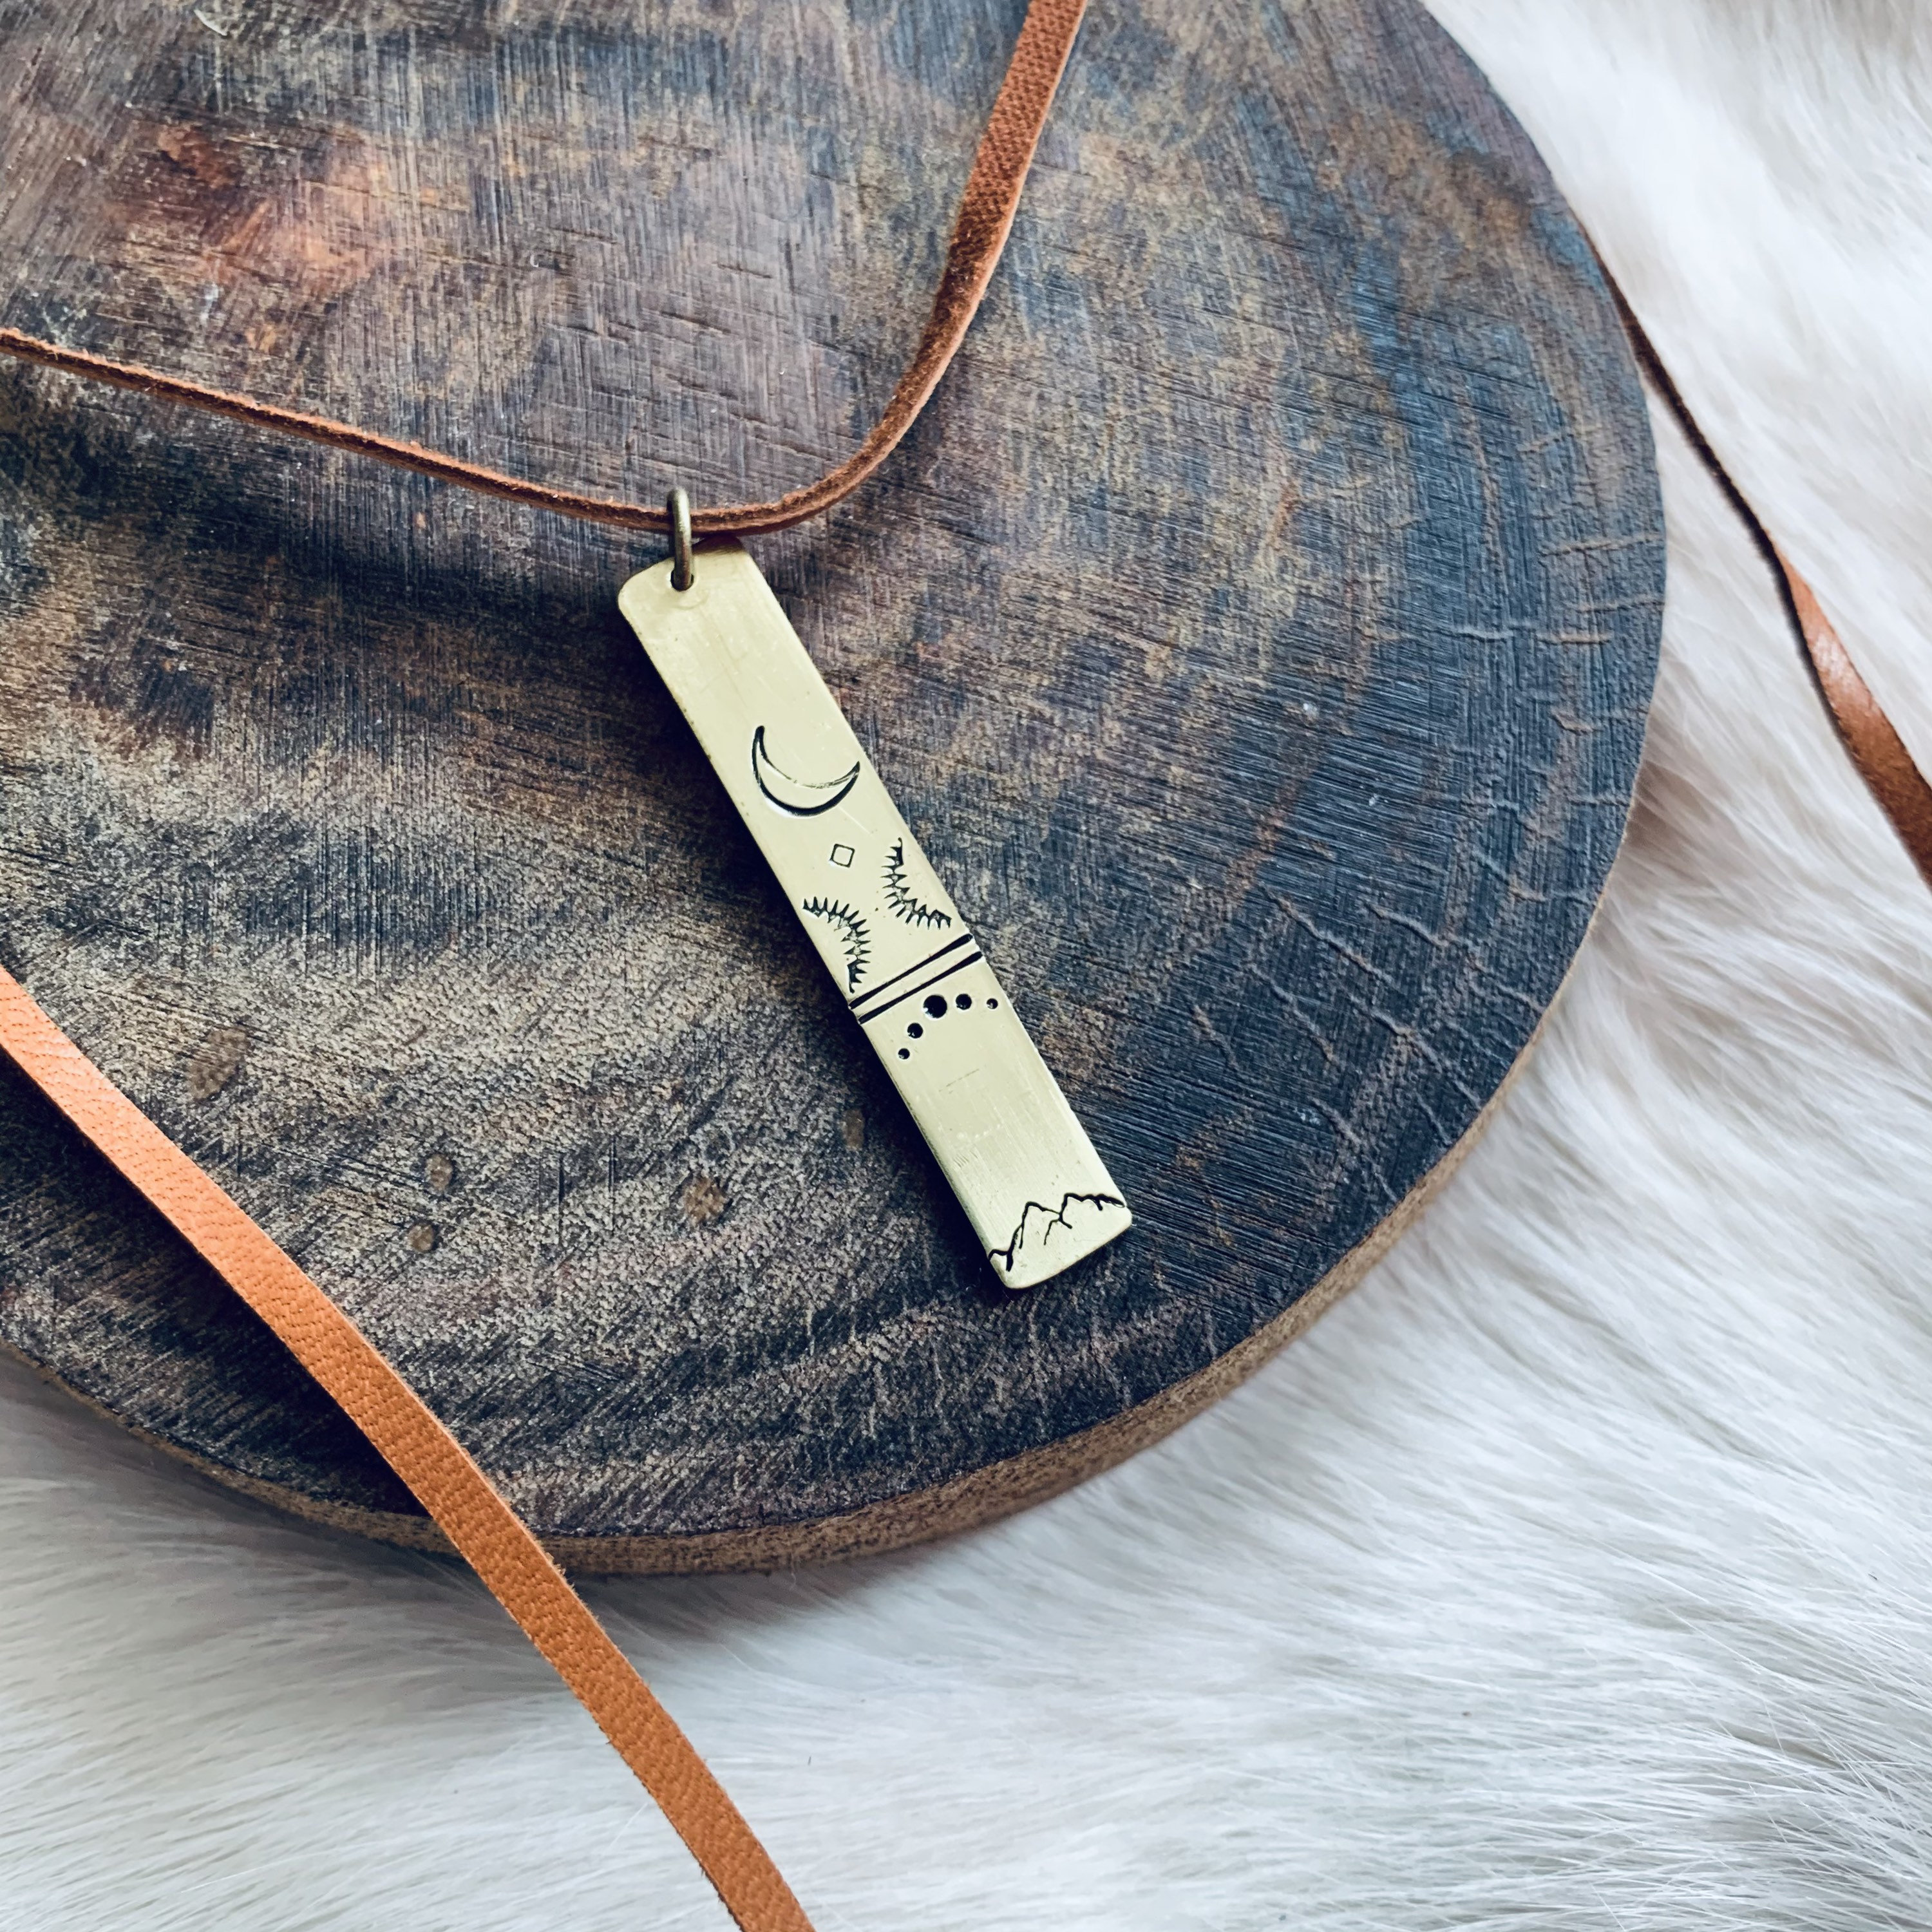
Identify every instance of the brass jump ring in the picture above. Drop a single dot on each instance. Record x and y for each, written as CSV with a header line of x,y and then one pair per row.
x,y
677,507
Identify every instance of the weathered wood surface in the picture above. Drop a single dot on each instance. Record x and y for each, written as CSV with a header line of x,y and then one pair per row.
x,y
1257,632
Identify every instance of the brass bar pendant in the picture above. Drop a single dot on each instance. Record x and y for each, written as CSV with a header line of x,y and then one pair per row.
x,y
1037,1194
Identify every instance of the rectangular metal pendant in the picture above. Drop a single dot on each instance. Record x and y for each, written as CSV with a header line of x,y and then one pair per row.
x,y
912,976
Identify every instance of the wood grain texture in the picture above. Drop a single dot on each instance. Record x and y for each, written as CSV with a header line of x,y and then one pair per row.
x,y
1257,633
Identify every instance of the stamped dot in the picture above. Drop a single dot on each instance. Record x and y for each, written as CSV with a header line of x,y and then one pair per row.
x,y
905,1053
992,1003
422,1238
935,1005
915,1031
964,1000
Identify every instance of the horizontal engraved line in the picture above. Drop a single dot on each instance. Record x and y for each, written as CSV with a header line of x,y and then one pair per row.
x,y
918,966
912,992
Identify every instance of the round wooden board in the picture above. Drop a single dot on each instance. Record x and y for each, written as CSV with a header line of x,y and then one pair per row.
x,y
1257,631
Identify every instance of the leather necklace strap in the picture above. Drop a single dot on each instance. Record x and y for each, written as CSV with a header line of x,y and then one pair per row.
x,y
438,1470
986,217
435,1465
979,231
1890,773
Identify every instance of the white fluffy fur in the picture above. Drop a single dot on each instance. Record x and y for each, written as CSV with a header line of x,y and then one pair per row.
x,y
1575,1573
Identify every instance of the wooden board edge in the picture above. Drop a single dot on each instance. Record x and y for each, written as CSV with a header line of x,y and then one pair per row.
x,y
924,1516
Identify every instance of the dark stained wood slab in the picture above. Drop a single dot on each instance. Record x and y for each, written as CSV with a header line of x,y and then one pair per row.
x,y
1257,631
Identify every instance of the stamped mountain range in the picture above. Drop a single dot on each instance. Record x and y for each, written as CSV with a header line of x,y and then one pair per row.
x,y
914,978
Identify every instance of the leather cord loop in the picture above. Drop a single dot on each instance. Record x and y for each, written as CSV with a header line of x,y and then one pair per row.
x,y
979,231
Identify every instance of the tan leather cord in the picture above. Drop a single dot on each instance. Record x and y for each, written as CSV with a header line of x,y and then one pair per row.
x,y
438,1470
435,1465
1889,769
979,231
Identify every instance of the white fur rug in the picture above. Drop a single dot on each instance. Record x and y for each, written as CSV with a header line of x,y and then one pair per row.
x,y
1575,1573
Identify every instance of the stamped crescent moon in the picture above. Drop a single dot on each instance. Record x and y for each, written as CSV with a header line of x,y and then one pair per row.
x,y
799,796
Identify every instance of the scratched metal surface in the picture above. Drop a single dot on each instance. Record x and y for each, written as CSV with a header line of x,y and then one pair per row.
x,y
1257,632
